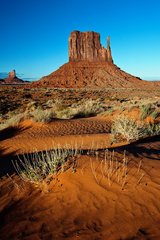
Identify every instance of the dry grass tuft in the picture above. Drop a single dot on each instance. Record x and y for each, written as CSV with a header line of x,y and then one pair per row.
x,y
132,130
38,166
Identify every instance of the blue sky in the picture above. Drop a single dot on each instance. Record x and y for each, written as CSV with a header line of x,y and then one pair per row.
x,y
34,33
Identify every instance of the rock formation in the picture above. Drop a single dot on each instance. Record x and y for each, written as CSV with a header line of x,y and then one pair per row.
x,y
12,79
90,66
86,46
109,54
12,74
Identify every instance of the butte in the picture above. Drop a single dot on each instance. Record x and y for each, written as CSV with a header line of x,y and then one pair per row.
x,y
90,66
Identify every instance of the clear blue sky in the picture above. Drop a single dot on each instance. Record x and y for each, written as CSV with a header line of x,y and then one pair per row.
x,y
34,33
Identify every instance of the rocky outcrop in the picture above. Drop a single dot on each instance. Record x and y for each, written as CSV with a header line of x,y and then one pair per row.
x,y
12,74
109,54
12,79
86,46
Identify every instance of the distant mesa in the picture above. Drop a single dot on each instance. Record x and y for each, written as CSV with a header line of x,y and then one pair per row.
x,y
12,79
90,66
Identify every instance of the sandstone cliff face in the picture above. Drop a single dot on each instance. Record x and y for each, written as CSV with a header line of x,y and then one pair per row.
x,y
86,46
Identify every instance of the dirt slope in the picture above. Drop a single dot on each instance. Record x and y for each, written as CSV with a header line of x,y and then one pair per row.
x,y
90,74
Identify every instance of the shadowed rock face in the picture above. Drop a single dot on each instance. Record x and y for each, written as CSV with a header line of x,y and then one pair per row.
x,y
86,46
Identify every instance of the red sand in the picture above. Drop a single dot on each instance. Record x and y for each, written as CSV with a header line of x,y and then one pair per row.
x,y
80,206
85,204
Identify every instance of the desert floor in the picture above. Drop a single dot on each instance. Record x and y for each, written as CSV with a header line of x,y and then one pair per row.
x,y
108,191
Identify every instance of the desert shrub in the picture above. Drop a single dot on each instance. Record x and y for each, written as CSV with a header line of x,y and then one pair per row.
x,y
12,122
154,114
88,108
83,108
131,130
31,106
40,115
56,105
128,128
49,103
107,112
39,165
56,109
67,113
116,170
153,129
145,111
131,107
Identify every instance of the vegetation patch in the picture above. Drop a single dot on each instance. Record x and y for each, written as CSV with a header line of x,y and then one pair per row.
x,y
38,166
133,130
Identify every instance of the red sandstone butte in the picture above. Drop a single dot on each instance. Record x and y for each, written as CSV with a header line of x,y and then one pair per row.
x,y
12,79
90,66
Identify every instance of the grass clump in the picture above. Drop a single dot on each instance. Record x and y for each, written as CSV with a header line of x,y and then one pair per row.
x,y
115,170
12,122
128,128
38,166
55,109
132,130
40,115
85,108
153,129
146,110
55,105
154,114
89,108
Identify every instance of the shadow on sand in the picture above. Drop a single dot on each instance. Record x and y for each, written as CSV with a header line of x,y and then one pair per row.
x,y
11,132
6,165
148,148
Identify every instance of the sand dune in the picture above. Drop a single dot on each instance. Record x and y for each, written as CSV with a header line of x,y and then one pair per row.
x,y
84,133
81,206
95,200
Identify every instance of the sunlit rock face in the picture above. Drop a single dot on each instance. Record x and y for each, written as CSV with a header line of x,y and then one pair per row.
x,y
12,74
12,78
86,46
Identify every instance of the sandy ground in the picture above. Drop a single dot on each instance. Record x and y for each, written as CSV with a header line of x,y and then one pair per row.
x,y
83,133
88,203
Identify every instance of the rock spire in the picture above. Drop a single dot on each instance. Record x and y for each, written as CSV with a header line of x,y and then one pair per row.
x,y
12,74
